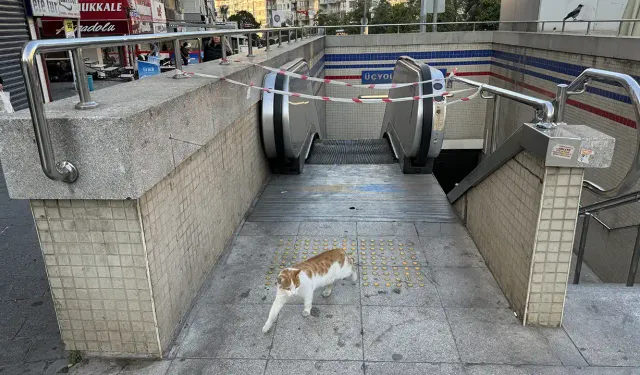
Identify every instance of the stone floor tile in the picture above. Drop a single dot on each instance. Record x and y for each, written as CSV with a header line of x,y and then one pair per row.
x,y
603,322
227,331
279,367
400,368
145,367
453,230
451,252
46,349
468,287
216,367
397,286
270,228
492,335
383,228
255,249
331,333
381,251
517,370
24,368
411,334
96,366
14,351
327,228
426,229
563,347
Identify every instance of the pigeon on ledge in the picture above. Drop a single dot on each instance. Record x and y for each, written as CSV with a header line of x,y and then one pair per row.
x,y
574,13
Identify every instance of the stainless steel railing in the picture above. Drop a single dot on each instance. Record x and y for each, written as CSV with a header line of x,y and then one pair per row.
x,y
65,170
579,86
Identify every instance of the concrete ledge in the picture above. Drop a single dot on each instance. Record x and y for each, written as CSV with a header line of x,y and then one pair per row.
x,y
594,45
405,39
127,144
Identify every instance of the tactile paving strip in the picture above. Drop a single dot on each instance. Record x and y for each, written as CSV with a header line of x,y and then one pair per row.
x,y
390,263
361,151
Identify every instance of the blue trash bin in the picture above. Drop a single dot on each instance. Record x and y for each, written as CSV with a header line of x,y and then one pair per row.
x,y
90,80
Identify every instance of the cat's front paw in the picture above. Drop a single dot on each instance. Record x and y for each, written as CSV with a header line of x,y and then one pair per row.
x,y
306,312
266,328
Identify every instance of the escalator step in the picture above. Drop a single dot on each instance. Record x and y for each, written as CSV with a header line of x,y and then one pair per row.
x,y
361,151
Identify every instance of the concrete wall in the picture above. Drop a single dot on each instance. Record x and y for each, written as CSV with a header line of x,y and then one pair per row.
x,y
534,64
522,218
168,170
347,57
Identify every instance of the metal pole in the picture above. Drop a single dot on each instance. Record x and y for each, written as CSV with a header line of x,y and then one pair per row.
x,y
474,26
634,261
223,43
398,29
279,38
177,53
267,38
288,36
295,39
588,27
561,102
494,124
250,54
542,28
583,242
82,82
435,16
563,24
423,16
619,29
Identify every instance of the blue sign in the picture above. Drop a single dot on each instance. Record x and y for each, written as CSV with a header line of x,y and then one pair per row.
x,y
147,69
377,76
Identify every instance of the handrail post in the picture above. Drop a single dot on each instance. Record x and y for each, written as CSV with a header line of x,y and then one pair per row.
x,y
177,53
588,27
267,39
494,124
635,259
223,44
288,36
81,81
250,52
564,22
583,242
560,102
619,28
279,38
295,39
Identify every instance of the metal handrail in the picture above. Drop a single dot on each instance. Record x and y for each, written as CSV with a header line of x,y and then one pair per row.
x,y
65,170
545,108
578,86
589,212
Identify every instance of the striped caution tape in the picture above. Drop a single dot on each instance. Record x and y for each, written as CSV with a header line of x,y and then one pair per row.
x,y
340,100
379,86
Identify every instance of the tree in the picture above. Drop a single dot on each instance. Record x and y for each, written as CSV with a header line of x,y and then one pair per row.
x,y
244,19
483,10
330,19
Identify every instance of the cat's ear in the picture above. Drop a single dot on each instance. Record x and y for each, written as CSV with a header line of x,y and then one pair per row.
x,y
295,274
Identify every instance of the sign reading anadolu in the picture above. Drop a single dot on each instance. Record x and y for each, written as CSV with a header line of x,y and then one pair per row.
x,y
97,18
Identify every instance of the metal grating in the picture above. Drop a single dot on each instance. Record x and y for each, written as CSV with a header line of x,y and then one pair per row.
x,y
361,151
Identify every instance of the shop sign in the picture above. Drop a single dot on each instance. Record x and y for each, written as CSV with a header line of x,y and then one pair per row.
x,y
52,28
55,8
99,10
159,18
141,17
148,68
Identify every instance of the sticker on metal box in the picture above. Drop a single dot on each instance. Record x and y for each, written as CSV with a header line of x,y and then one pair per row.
x,y
585,155
563,151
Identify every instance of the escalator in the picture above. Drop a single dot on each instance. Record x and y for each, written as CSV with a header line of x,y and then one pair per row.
x,y
411,134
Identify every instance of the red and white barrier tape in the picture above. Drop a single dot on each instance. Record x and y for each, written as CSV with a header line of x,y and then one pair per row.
x,y
340,100
379,86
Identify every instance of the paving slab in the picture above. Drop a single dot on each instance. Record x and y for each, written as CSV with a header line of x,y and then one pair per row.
x,y
396,368
47,349
394,228
451,252
397,286
255,249
603,321
468,287
279,367
327,228
145,367
216,367
24,368
330,332
270,228
493,335
227,331
407,334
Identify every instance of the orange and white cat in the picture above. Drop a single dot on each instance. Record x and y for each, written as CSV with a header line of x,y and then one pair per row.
x,y
303,278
